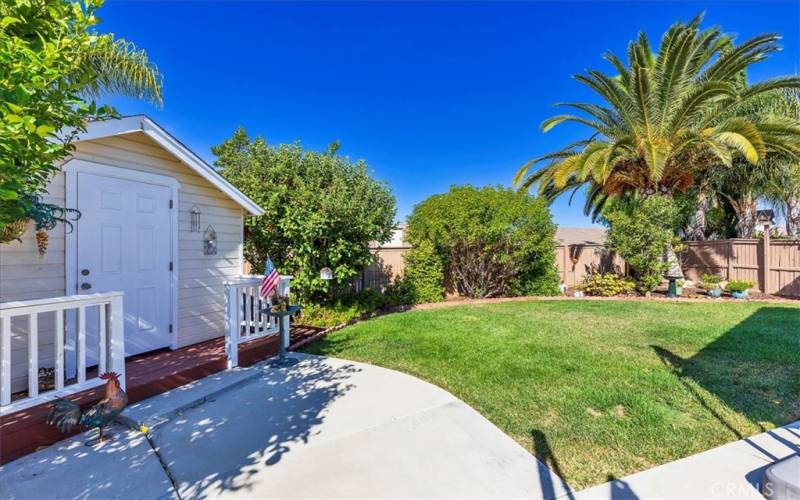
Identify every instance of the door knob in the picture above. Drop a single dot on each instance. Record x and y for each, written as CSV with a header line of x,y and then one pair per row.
x,y
84,272
86,286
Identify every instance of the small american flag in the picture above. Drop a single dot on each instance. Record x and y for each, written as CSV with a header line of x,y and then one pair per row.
x,y
270,282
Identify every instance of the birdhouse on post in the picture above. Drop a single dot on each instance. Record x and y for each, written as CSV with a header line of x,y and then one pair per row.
x,y
674,271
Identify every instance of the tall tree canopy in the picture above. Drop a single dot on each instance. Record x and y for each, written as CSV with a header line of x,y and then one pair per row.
x,y
666,118
53,66
320,210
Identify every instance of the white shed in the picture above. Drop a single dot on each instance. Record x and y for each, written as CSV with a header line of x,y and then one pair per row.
x,y
149,208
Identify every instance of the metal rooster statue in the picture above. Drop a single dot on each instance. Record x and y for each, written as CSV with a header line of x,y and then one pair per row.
x,y
66,414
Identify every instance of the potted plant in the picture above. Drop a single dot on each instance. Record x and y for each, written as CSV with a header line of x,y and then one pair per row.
x,y
679,284
712,284
739,288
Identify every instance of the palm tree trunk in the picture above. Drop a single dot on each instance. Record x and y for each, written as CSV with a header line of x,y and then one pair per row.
x,y
746,212
793,216
698,232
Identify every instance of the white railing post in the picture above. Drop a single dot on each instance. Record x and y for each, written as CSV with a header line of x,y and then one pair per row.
x,y
116,338
102,338
232,323
59,361
81,348
5,353
33,355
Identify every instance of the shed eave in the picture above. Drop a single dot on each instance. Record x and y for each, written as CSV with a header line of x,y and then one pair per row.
x,y
141,123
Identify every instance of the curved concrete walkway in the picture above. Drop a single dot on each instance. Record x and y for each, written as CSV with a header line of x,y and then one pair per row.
x,y
326,428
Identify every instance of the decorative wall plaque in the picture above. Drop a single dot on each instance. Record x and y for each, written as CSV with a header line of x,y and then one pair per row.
x,y
210,241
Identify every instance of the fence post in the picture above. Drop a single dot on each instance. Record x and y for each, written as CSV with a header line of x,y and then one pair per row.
x,y
765,249
730,259
232,324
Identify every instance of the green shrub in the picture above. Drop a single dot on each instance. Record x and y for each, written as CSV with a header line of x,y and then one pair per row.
x,y
490,241
607,285
423,276
710,281
739,285
346,308
640,232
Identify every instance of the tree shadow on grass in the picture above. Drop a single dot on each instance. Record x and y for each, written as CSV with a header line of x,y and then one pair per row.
x,y
223,444
754,368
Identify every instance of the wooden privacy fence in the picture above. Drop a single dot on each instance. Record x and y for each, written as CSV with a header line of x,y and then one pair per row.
x,y
773,265
575,262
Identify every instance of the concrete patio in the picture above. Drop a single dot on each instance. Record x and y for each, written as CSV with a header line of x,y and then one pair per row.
x,y
329,428
324,428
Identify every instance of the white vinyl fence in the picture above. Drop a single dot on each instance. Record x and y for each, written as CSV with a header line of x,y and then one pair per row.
x,y
71,320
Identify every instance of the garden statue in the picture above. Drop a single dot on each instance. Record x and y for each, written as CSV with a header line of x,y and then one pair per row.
x,y
66,414
673,272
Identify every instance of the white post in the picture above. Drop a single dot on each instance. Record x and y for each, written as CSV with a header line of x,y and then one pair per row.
x,y
102,337
33,355
286,332
81,344
59,334
248,310
232,324
116,338
5,352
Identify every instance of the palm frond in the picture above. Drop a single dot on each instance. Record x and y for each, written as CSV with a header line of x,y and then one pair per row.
x,y
122,68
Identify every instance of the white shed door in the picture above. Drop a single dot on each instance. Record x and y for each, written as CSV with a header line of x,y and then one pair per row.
x,y
124,244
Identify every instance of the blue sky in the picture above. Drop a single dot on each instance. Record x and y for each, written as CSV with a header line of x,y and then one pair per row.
x,y
429,94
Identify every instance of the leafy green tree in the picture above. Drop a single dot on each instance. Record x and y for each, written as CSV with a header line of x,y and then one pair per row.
x,y
320,210
491,241
52,67
666,118
423,276
639,232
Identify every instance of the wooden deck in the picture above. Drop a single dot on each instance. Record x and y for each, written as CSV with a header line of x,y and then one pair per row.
x,y
147,375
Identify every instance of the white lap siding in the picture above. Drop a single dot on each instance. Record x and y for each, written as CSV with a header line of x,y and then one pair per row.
x,y
24,275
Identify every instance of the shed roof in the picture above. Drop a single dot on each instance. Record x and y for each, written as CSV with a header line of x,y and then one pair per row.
x,y
142,123
581,235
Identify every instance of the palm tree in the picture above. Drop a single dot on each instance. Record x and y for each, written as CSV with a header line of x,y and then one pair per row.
x,y
117,66
743,184
784,190
784,186
667,119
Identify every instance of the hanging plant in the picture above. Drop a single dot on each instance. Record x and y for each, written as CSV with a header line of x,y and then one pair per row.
x,y
13,231
45,217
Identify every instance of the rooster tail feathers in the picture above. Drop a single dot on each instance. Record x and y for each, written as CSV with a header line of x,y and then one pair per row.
x,y
65,415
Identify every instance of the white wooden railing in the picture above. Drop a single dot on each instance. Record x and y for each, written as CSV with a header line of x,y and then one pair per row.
x,y
244,316
106,308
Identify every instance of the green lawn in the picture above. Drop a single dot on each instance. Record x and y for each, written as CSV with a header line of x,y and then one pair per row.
x,y
600,388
